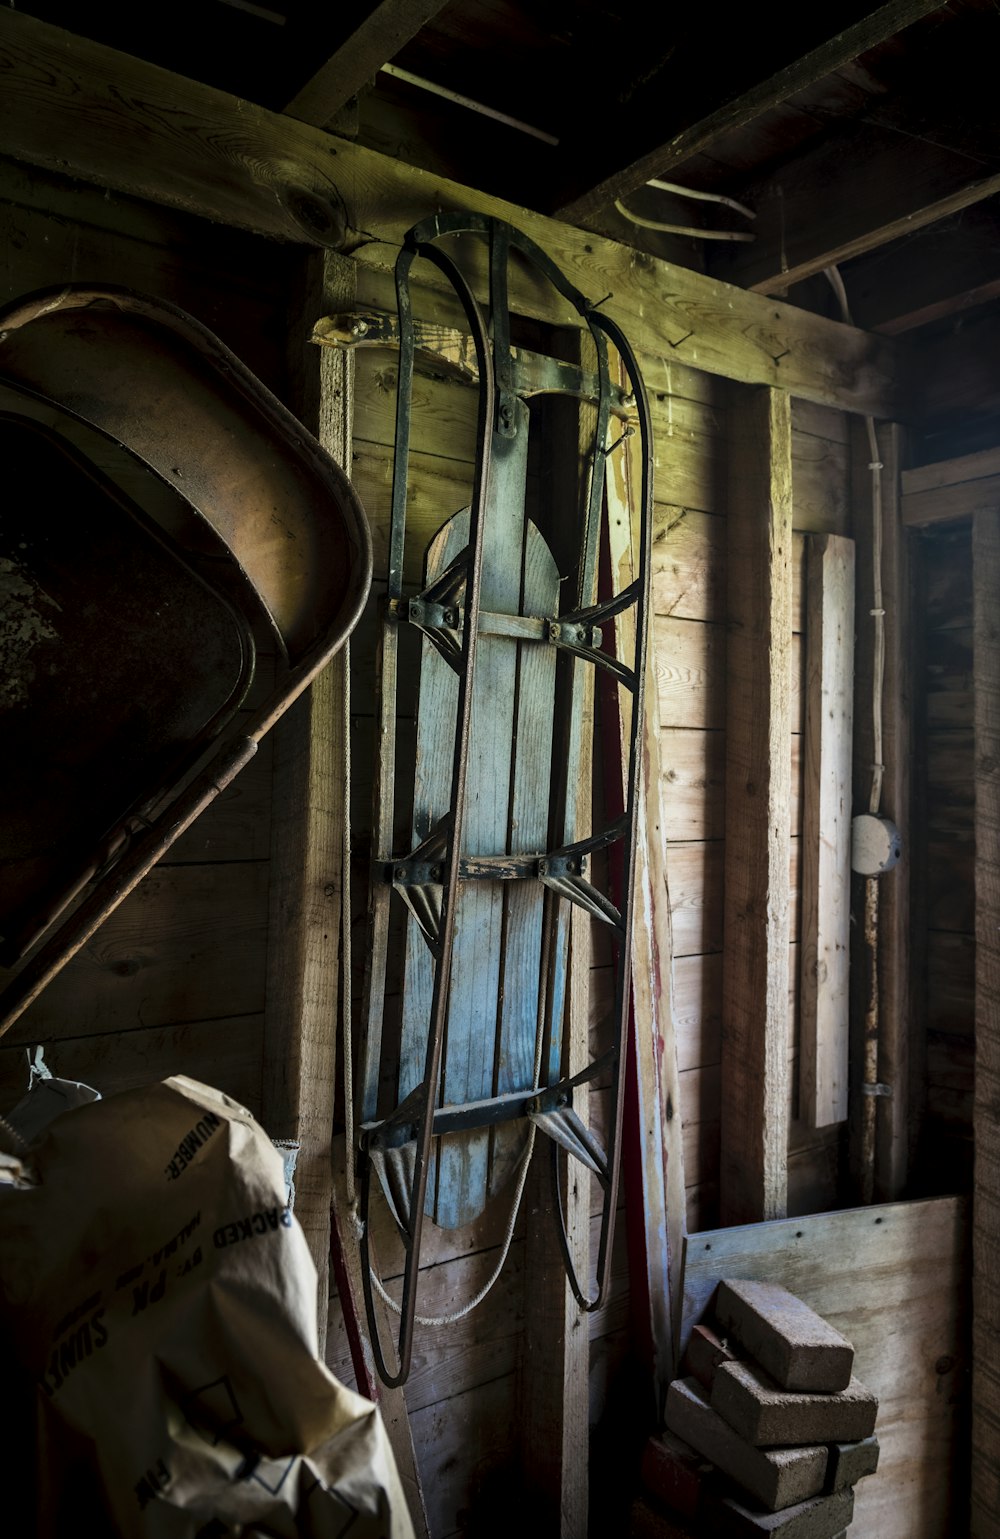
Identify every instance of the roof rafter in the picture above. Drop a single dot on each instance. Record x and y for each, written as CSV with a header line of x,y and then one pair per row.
x,y
383,32
695,107
860,189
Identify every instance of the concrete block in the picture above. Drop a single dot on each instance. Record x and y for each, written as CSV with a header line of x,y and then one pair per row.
x,y
851,1462
705,1351
771,1417
824,1517
777,1477
646,1522
673,1472
790,1341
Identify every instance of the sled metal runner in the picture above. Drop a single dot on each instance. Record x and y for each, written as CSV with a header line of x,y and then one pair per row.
x,y
496,863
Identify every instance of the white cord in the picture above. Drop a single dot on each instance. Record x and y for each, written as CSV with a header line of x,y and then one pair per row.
x,y
681,229
467,1309
702,197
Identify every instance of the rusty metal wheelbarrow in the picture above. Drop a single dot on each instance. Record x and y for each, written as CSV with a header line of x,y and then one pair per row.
x,y
127,616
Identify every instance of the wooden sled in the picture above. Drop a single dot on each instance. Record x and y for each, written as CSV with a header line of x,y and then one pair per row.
x,y
495,860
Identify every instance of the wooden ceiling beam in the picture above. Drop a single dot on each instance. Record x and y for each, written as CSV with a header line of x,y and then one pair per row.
x,y
860,189
87,111
927,275
688,105
376,40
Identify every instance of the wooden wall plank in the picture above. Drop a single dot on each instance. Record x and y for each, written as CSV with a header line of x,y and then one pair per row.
x,y
826,832
237,825
469,1446
690,663
55,231
949,490
758,790
893,1280
222,1053
689,564
821,481
986,1207
86,110
187,945
947,504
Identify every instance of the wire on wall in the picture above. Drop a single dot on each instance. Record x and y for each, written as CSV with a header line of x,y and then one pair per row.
x,y
692,230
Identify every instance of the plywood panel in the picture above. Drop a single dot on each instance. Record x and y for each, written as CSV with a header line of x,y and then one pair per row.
x,y
894,1280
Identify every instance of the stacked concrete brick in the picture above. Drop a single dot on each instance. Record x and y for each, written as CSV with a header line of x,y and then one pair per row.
x,y
768,1430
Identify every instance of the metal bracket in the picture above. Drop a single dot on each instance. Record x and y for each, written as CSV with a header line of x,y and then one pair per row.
x,y
453,352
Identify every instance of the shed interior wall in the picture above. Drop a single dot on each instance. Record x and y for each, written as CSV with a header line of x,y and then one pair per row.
x,y
175,981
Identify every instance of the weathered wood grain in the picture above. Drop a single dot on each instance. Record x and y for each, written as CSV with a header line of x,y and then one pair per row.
x,y
691,670
948,504
438,487
693,781
689,564
758,787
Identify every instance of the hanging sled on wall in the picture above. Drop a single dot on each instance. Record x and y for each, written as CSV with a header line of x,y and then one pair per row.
x,y
128,601
500,847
